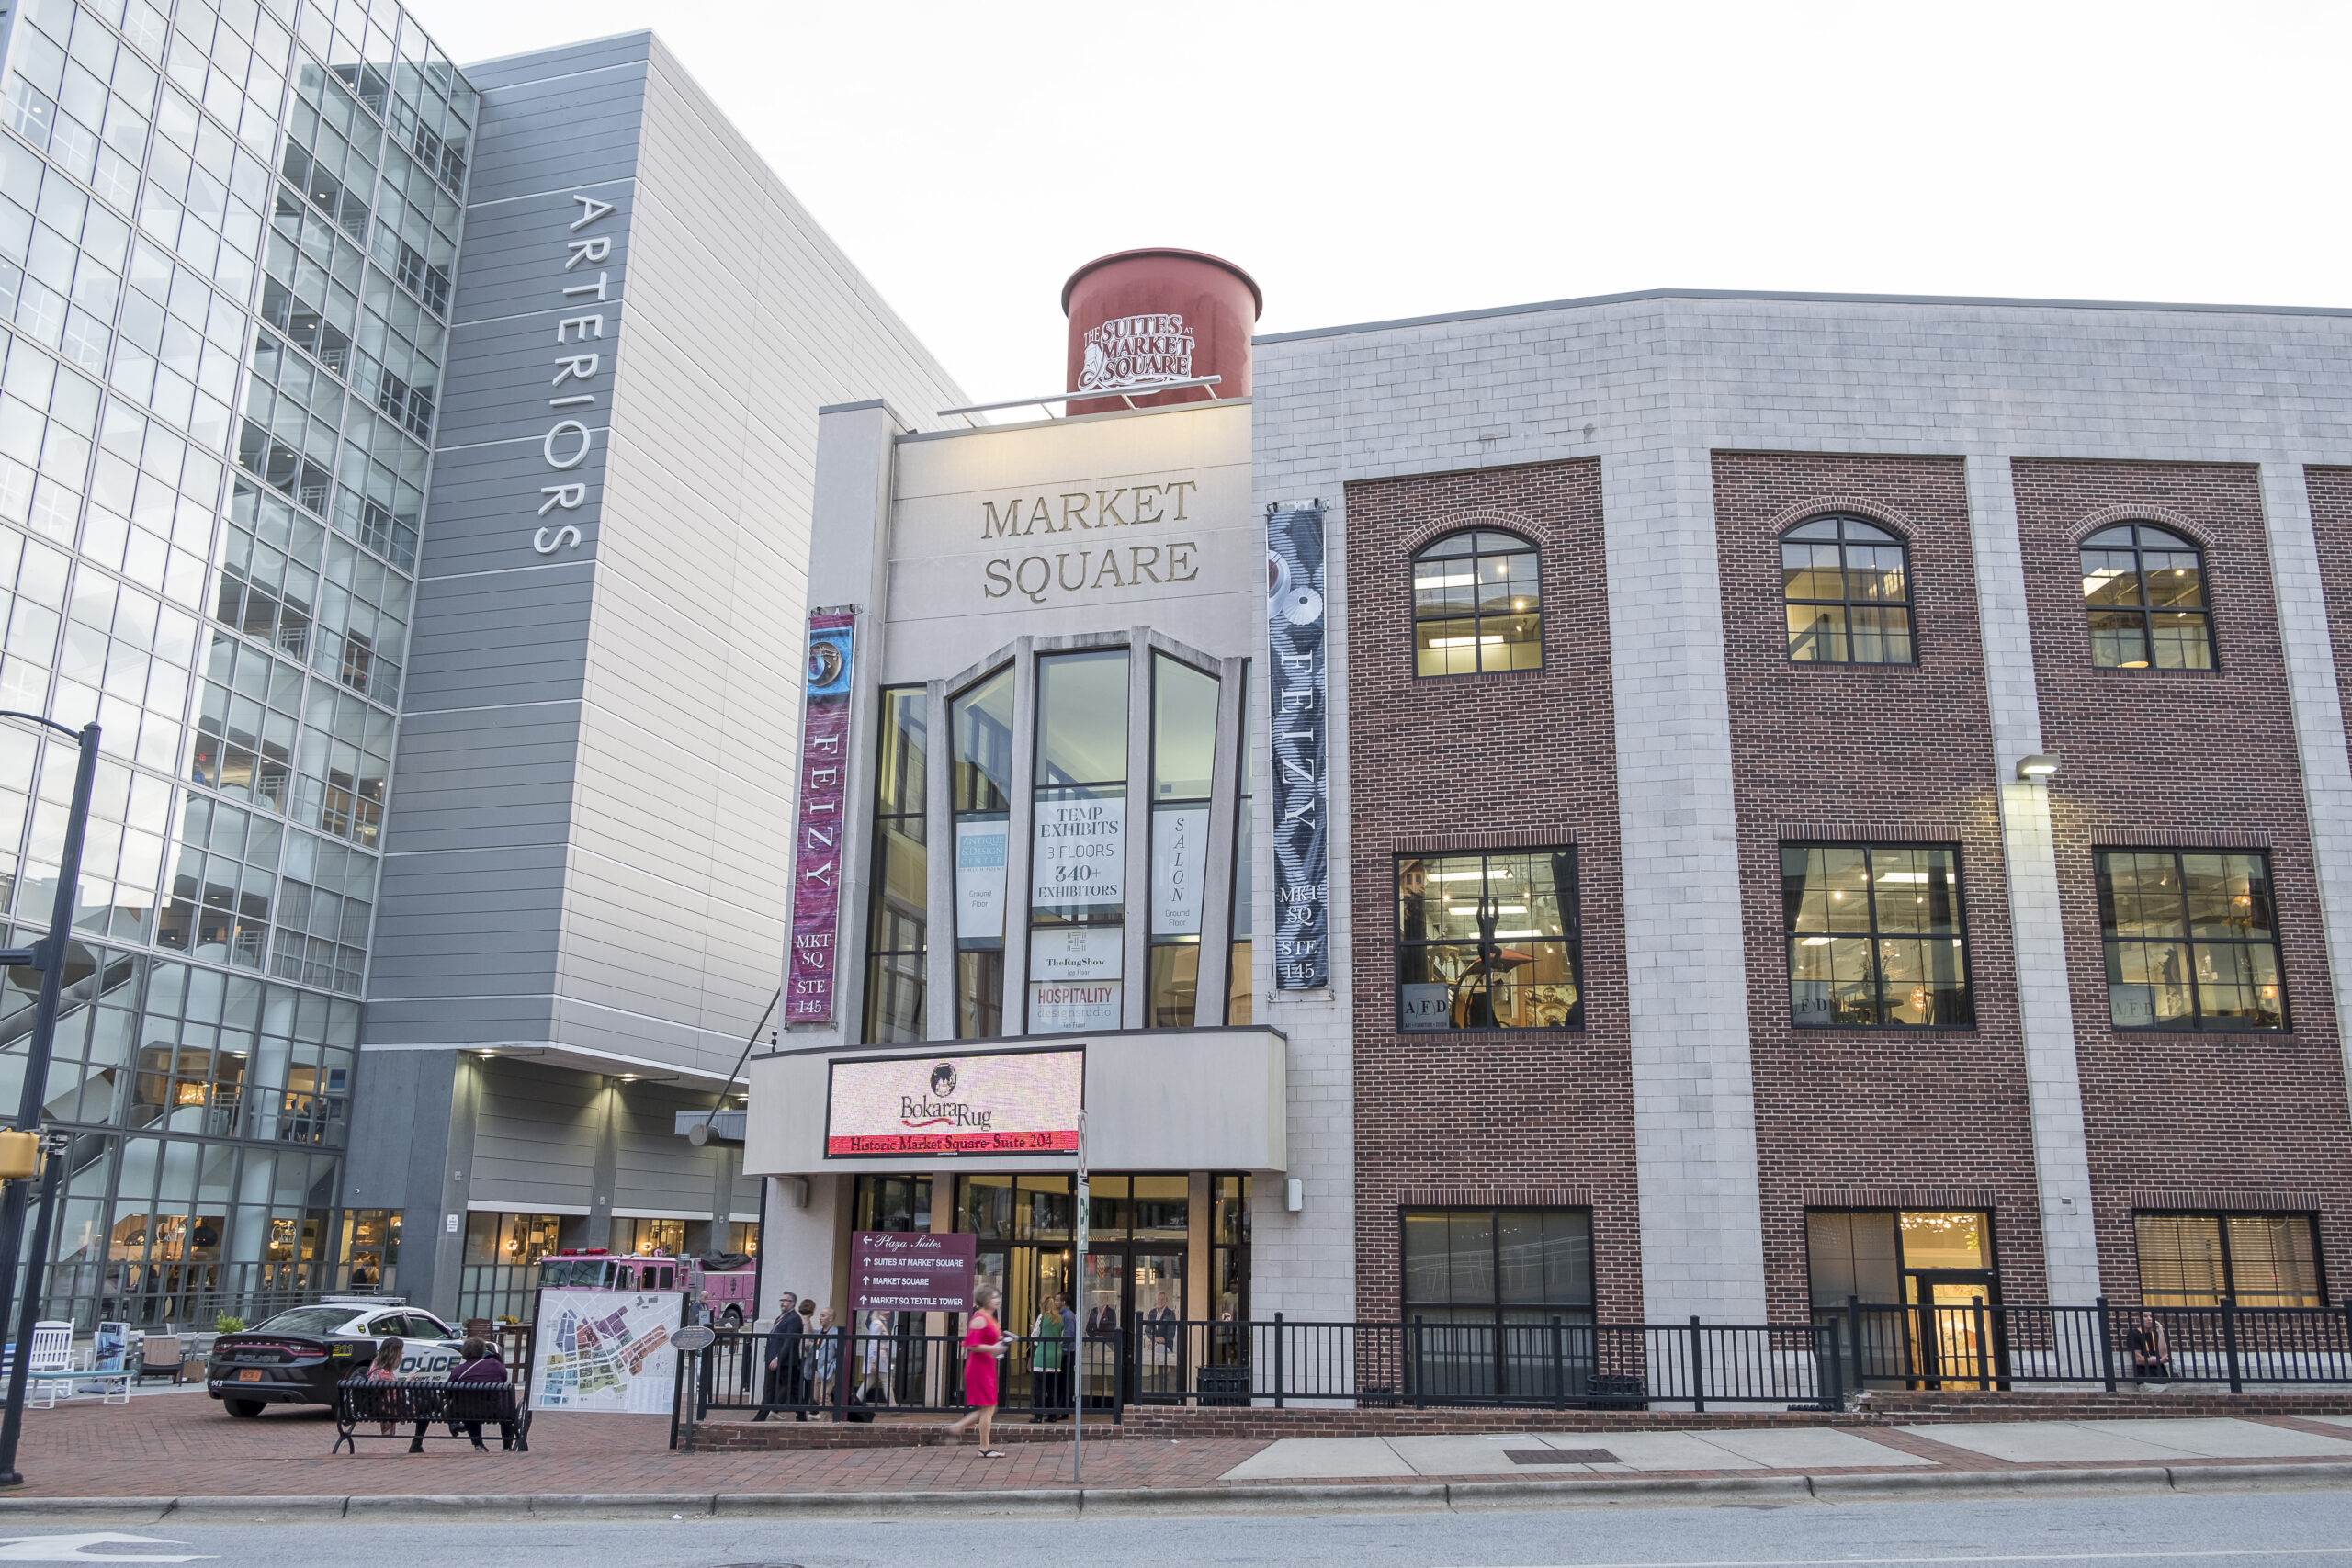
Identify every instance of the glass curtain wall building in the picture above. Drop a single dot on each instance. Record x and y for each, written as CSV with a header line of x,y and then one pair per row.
x,y
228,230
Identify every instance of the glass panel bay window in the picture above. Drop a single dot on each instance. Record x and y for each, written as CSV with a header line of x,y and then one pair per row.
x,y
1079,843
982,719
1183,757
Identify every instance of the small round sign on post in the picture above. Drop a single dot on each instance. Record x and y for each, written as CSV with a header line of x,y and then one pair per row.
x,y
694,1338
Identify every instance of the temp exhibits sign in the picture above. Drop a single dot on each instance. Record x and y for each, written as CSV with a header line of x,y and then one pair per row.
x,y
605,1351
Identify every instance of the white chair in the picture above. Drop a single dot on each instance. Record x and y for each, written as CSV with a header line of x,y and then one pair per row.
x,y
53,1363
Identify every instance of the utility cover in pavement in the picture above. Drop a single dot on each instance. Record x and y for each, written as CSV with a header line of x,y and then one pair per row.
x,y
1561,1455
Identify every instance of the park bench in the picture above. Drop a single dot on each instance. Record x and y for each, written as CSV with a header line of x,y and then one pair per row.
x,y
415,1408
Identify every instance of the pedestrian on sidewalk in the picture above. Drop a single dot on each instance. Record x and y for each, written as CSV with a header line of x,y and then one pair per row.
x,y
824,1358
482,1365
983,1343
1045,1363
782,1371
874,1357
2150,1352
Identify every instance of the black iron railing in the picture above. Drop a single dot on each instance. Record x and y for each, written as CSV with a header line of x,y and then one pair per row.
x,y
1555,1364
1986,1345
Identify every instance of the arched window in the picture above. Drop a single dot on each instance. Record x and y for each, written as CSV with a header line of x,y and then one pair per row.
x,y
2144,588
1848,588
1477,605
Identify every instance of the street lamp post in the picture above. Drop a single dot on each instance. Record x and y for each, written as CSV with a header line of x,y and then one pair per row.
x,y
48,958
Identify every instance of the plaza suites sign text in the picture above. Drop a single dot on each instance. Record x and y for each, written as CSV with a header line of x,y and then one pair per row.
x,y
1076,544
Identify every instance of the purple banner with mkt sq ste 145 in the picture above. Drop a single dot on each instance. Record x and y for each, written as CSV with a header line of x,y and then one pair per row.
x,y
816,833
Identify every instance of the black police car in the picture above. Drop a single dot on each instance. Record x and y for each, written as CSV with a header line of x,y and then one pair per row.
x,y
298,1357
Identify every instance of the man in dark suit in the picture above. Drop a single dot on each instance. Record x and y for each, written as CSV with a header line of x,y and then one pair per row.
x,y
780,1371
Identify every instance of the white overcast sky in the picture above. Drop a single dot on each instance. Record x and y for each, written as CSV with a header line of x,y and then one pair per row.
x,y
1371,160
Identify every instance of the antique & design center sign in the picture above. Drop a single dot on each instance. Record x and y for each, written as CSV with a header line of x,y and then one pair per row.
x,y
1007,1102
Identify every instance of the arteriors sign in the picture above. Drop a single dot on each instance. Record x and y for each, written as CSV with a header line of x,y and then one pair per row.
x,y
568,441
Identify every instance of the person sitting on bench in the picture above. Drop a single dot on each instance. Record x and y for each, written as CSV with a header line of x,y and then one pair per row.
x,y
481,1366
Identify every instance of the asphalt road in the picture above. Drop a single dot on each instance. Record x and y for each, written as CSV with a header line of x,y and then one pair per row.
x,y
2284,1529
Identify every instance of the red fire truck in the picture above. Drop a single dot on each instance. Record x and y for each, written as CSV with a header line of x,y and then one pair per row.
x,y
725,1277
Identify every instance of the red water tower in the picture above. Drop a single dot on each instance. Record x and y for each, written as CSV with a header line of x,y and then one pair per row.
x,y
1137,317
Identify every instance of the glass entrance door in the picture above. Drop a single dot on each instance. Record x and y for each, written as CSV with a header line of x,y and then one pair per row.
x,y
1104,1311
1954,1344
1155,1292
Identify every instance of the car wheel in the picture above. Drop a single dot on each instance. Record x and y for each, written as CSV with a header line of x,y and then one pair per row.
x,y
244,1408
733,1317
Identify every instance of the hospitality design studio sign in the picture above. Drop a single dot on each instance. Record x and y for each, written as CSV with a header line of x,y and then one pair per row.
x,y
583,348
1082,544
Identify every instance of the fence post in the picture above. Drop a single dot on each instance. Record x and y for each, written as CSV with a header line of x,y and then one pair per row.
x,y
1278,1360
1120,1371
2106,1345
843,1344
1698,1369
1419,1363
1854,1321
1984,1355
1559,1369
2230,1340
1837,1400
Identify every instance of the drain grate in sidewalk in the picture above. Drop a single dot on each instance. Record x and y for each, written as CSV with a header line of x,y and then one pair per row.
x,y
1561,1455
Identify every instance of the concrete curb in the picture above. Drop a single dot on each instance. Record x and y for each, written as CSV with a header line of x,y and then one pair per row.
x,y
1424,1496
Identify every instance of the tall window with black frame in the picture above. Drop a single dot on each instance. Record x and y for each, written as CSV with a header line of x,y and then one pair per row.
x,y
981,719
1488,940
1875,936
1846,584
895,926
1183,758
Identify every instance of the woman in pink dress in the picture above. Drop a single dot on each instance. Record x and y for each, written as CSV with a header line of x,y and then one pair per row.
x,y
983,1343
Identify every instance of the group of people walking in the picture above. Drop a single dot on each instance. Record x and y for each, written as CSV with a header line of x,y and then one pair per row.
x,y
800,1363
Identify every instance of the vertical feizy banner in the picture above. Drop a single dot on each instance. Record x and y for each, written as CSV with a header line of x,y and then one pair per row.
x,y
1302,848
817,838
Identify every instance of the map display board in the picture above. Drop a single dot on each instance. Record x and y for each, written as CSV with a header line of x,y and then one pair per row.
x,y
606,1350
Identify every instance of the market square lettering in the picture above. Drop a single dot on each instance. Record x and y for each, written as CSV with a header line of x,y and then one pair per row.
x,y
1094,567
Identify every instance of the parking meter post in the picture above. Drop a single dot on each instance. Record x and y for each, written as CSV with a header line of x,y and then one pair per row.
x,y
1082,1222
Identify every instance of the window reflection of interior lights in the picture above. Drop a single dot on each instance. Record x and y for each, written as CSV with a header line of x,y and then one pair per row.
x,y
1463,581
1902,876
1461,641
1500,873
1814,941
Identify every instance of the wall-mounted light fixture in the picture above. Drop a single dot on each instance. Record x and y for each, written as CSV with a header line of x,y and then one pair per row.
x,y
1293,1194
2040,765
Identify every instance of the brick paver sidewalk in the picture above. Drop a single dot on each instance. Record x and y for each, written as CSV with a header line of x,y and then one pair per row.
x,y
184,1445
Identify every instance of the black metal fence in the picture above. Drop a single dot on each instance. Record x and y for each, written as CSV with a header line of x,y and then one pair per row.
x,y
1990,1346
1557,1363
